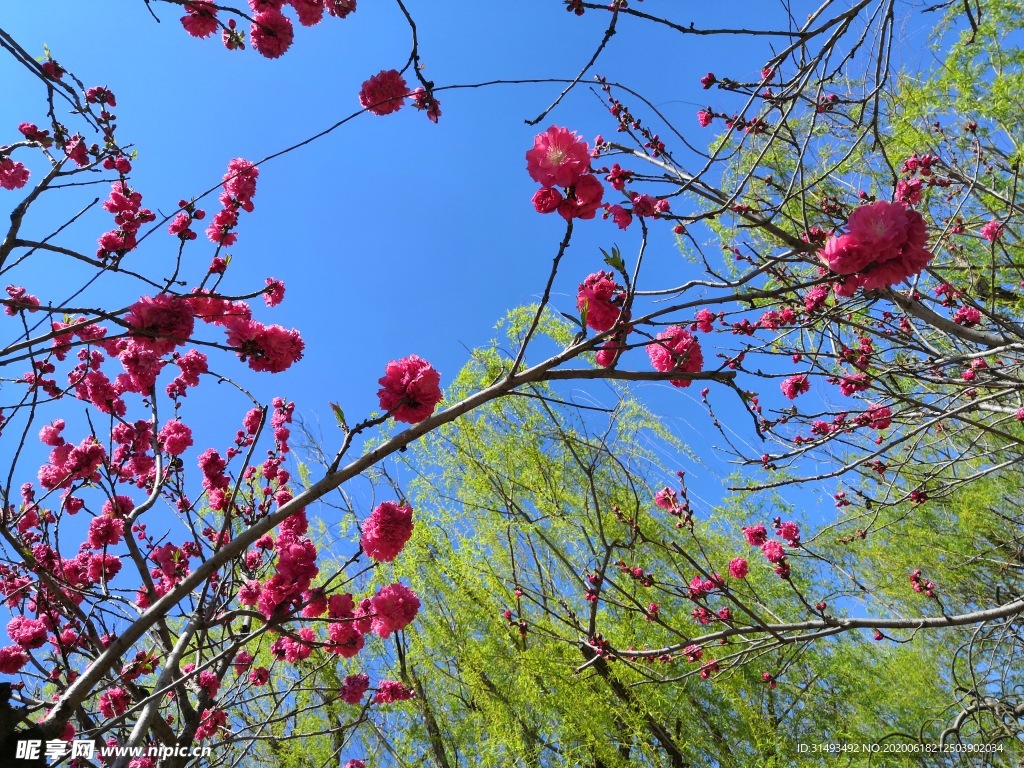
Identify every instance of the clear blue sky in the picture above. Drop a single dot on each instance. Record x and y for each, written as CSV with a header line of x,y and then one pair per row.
x,y
394,236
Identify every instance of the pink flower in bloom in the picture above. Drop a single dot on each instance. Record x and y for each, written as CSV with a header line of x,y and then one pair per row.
x,y
12,659
353,688
104,531
773,551
384,93
620,216
354,763
558,158
991,230
240,183
967,316
909,191
877,416
28,633
704,321
114,702
340,8
795,386
161,322
386,531
175,437
756,535
271,33
395,606
201,19
885,244
598,294
546,200
675,349
738,568
583,198
209,683
424,101
12,175
268,348
259,676
390,691
789,531
705,117
211,721
310,12
410,389
274,294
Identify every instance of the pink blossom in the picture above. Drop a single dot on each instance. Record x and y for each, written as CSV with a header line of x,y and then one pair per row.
x,y
773,551
756,535
12,659
991,230
270,348
620,216
424,101
967,316
259,676
239,183
201,19
28,633
599,295
354,763
114,702
274,293
192,365
104,531
795,386
704,321
789,531
909,191
271,33
210,722
340,8
209,683
353,687
558,158
386,531
546,200
175,437
705,117
644,205
395,606
675,349
885,244
410,389
583,198
310,12
390,691
13,175
163,321
384,93
738,568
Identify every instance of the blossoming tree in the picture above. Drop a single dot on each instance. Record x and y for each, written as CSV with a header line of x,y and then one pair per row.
x,y
858,315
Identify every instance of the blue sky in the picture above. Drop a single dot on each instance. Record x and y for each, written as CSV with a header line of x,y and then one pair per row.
x,y
394,236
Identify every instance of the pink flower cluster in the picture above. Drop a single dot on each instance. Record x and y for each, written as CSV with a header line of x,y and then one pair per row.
x,y
410,389
884,244
560,158
129,215
602,299
238,189
13,175
795,386
676,349
271,31
386,531
384,93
